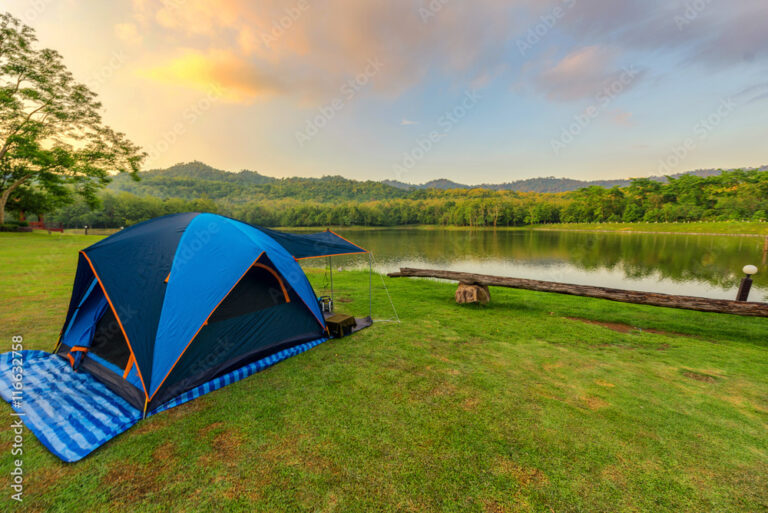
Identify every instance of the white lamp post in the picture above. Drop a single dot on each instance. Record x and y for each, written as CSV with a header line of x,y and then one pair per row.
x,y
746,282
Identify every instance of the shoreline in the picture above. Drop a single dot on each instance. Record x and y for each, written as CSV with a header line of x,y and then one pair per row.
x,y
648,232
745,229
623,229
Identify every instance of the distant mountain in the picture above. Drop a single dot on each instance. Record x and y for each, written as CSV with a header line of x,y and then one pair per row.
x,y
203,171
546,184
188,181
193,180
552,184
400,185
440,183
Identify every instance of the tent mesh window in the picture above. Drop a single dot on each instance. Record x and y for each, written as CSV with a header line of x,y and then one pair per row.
x,y
109,341
257,290
261,315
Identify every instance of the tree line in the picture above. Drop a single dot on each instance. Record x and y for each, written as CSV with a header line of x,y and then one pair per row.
x,y
732,195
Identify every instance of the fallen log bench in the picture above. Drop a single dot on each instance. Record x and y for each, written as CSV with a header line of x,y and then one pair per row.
x,y
472,286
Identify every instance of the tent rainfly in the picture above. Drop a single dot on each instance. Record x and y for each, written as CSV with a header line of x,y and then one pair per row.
x,y
161,313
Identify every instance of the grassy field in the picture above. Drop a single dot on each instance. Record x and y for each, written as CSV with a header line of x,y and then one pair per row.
x,y
536,402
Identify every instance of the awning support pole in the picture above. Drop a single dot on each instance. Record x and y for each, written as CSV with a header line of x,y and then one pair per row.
x,y
330,266
370,286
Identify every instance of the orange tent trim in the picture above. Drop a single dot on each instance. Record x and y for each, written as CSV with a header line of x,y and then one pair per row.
x,y
128,367
202,325
347,240
277,276
117,317
335,254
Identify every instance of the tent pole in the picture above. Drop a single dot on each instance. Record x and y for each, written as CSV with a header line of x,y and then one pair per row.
x,y
370,286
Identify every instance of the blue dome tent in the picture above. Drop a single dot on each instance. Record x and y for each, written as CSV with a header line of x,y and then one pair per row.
x,y
165,311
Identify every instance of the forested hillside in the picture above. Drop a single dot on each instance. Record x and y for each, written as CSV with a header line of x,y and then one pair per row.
x,y
189,181
544,184
198,180
730,195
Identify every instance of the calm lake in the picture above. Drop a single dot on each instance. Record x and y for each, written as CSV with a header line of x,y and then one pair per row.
x,y
696,265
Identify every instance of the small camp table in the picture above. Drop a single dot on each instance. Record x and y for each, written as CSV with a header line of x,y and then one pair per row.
x,y
340,325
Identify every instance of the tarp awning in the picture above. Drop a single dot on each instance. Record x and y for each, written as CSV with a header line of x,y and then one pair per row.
x,y
314,245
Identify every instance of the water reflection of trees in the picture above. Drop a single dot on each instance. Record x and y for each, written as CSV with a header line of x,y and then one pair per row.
x,y
711,259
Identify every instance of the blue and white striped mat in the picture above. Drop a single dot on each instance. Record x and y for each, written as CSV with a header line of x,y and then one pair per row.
x,y
71,413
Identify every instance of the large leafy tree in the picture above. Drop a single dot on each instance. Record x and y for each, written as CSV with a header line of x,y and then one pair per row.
x,y
53,142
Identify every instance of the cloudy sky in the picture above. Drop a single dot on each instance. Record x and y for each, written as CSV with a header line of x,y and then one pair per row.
x,y
480,91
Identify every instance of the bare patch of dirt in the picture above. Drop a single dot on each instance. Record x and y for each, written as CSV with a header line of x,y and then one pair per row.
x,y
491,506
226,448
287,450
44,477
593,403
698,376
470,404
211,427
443,389
552,366
701,478
130,483
605,384
614,326
165,452
613,474
526,476
626,328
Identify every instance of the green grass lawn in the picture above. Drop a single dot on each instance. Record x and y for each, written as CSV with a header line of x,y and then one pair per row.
x,y
521,405
714,227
